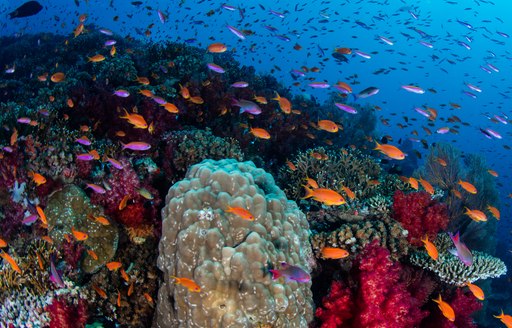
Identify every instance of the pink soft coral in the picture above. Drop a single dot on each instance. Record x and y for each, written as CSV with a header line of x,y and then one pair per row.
x,y
65,314
336,307
419,214
381,298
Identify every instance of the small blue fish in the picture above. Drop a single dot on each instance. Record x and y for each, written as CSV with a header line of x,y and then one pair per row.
x,y
290,272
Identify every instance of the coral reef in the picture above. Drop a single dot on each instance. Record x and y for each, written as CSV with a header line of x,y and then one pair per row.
x,y
228,256
419,214
349,168
71,208
64,314
191,146
336,307
354,236
464,305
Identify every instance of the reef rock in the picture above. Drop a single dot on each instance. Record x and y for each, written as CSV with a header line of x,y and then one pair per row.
x,y
229,257
69,208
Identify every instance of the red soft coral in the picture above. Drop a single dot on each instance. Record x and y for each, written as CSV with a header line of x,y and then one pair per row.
x,y
419,214
383,300
65,314
336,307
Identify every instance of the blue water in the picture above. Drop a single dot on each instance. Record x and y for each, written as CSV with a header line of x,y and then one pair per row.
x,y
321,26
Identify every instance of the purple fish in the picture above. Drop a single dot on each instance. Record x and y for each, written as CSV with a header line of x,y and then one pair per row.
x,y
503,34
121,93
85,157
110,43
370,91
427,44
461,250
469,94
485,69
464,44
137,145
276,13
386,40
83,141
106,31
319,85
215,68
247,106
297,72
96,188
228,7
494,68
422,112
240,84
8,149
236,32
346,108
501,119
282,37
485,133
159,100
54,274
115,163
473,87
24,120
270,28
290,272
29,220
161,16
362,54
494,133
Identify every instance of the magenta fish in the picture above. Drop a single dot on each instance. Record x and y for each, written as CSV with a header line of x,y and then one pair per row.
x,y
29,220
413,89
161,16
236,32
159,100
84,141
461,250
290,272
247,106
422,112
240,84
85,157
137,145
96,188
121,93
216,68
319,85
494,133
106,31
110,43
115,163
362,54
54,274
346,108
24,120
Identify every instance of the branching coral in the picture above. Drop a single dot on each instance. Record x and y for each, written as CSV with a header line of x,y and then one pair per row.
x,y
356,235
419,214
349,168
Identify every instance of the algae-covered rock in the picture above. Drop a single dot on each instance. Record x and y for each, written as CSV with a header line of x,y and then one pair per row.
x,y
69,208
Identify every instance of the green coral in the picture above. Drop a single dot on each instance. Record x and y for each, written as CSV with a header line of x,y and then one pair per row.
x,y
70,208
450,269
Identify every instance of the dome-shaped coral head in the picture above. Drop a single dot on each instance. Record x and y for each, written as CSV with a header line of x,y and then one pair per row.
x,y
290,272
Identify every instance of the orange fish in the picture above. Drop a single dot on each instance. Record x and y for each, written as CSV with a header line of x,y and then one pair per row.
x,y
284,104
390,151
147,93
184,92
142,80
188,283
328,126
431,248
312,183
100,219
113,266
468,187
445,308
476,215
79,29
96,58
505,318
118,298
40,261
123,202
130,290
260,133
79,235
349,192
100,291
343,51
456,193
14,137
413,183
344,86
113,51
11,261
334,253
326,196
58,77
441,162
41,214
47,239
37,178
124,275
493,173
92,254
217,47
260,100
3,243
427,186
241,212
494,211
477,291
196,100
171,108
148,298
291,166
135,119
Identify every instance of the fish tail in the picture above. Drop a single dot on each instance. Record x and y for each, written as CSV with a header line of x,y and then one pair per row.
x,y
501,315
275,274
377,146
309,193
277,96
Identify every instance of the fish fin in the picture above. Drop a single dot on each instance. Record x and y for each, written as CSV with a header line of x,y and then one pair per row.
x,y
275,274
309,193
453,251
377,146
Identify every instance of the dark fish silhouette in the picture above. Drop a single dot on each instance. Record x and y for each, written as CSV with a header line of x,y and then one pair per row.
x,y
27,9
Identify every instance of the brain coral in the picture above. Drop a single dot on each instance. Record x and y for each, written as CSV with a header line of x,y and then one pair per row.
x,y
227,256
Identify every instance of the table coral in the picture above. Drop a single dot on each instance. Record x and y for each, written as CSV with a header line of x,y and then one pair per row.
x,y
229,256
70,207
